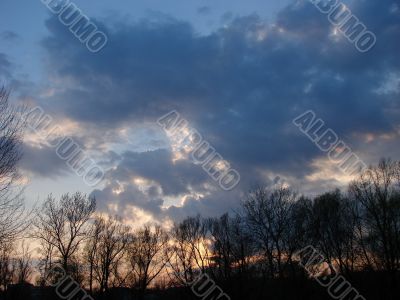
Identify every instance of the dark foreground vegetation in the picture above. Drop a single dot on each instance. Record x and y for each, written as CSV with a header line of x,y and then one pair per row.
x,y
256,253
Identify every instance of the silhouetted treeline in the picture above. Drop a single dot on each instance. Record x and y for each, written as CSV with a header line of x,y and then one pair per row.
x,y
249,254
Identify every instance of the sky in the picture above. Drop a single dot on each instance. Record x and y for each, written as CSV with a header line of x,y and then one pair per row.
x,y
238,72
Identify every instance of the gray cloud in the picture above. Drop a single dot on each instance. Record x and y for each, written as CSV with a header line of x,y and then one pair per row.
x,y
240,86
43,162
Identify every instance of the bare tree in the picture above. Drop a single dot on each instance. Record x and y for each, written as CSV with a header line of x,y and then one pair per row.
x,y
269,218
189,251
7,267
377,192
147,253
12,221
232,250
332,230
46,252
105,250
90,252
222,245
63,224
23,262
299,233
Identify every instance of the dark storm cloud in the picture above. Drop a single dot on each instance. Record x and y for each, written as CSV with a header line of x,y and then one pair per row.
x,y
240,86
165,179
215,205
174,178
43,162
132,195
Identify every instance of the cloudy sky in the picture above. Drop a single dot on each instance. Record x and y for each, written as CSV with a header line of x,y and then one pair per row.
x,y
238,71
